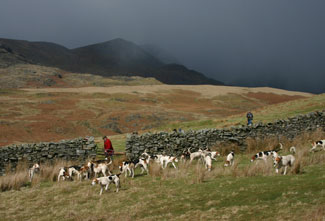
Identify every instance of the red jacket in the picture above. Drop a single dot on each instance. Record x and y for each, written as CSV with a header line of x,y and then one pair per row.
x,y
108,145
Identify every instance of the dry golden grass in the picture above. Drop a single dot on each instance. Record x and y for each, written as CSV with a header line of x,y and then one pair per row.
x,y
155,169
316,214
14,181
208,91
20,178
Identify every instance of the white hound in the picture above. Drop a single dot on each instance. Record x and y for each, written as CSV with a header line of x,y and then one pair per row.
x,y
196,154
106,181
208,161
283,161
230,159
127,167
318,143
165,160
99,167
263,155
34,169
63,173
214,154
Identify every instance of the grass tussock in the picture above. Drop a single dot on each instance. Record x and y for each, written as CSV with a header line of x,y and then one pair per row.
x,y
14,181
226,148
155,170
200,172
318,214
255,145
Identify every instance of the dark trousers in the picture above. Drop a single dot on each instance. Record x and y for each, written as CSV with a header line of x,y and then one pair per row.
x,y
109,154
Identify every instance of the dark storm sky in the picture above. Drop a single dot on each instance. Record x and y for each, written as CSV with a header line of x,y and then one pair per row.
x,y
277,43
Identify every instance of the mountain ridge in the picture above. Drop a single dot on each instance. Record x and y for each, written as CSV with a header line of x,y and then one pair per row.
x,y
116,57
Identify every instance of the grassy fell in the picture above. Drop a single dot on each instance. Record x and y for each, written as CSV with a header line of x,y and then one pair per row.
x,y
53,114
246,191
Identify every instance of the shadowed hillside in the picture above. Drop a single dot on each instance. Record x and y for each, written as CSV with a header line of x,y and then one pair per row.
x,y
112,58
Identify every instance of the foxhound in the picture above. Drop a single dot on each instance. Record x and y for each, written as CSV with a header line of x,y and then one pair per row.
x,y
34,169
263,155
230,159
106,181
318,143
63,173
214,154
283,161
97,167
165,160
196,154
208,161
127,167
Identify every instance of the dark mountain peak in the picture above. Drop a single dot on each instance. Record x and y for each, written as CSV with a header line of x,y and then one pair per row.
x,y
120,41
117,55
115,44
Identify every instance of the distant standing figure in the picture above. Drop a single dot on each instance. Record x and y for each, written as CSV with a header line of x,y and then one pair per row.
x,y
249,116
108,148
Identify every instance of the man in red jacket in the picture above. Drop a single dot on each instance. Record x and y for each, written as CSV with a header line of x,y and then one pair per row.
x,y
108,148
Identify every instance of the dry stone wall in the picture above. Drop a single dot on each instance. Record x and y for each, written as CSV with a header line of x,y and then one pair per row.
x,y
76,149
174,143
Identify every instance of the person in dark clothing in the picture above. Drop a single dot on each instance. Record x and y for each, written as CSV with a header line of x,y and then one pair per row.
x,y
108,148
249,116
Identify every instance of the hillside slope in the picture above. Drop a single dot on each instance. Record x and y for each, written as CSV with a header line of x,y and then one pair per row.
x,y
51,114
8,57
36,76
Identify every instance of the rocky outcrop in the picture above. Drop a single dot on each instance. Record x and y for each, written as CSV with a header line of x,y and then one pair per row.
x,y
76,149
174,143
8,57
